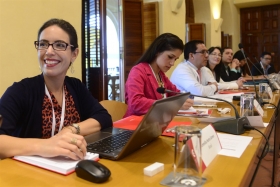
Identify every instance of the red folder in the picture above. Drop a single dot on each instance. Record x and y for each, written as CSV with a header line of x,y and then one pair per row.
x,y
132,122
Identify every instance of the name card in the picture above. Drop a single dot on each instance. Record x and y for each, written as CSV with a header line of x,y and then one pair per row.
x,y
210,144
269,91
258,107
256,121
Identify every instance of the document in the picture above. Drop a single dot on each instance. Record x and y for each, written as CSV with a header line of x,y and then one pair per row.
x,y
61,165
233,145
194,112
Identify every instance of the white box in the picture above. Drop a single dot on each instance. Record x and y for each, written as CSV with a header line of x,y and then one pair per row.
x,y
153,169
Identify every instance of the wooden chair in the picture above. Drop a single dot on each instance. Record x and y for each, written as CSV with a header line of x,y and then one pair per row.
x,y
113,82
116,109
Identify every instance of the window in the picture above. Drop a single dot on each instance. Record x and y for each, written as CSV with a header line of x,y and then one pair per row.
x,y
92,46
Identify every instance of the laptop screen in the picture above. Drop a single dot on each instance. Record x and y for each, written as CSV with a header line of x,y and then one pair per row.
x,y
155,121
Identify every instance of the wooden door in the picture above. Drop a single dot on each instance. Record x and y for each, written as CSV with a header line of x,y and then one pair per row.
x,y
189,11
133,33
271,32
150,23
251,32
196,31
260,31
252,45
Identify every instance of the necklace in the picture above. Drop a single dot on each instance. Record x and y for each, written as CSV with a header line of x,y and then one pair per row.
x,y
159,81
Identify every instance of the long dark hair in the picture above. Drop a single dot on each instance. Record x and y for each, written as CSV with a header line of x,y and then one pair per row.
x,y
240,56
164,42
217,68
64,25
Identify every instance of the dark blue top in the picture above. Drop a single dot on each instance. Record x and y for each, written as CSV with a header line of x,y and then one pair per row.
x,y
21,106
258,70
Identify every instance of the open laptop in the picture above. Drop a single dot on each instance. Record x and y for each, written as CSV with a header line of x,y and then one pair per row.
x,y
151,127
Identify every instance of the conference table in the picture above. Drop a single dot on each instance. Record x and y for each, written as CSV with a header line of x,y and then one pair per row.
x,y
223,171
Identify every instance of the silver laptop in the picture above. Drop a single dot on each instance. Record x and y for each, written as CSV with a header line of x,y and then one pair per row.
x,y
115,143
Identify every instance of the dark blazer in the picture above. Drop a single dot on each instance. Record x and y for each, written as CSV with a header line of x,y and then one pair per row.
x,y
232,75
21,106
258,70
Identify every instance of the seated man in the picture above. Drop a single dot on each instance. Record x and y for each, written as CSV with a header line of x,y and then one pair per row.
x,y
228,69
187,75
264,67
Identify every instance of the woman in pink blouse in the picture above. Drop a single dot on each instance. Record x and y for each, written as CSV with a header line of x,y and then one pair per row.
x,y
149,73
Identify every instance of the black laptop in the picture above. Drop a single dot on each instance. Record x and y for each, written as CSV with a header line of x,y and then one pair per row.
x,y
115,143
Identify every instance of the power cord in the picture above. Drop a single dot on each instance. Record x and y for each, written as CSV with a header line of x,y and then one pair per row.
x,y
263,154
266,147
275,107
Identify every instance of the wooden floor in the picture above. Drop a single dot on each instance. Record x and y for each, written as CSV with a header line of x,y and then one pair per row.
x,y
263,177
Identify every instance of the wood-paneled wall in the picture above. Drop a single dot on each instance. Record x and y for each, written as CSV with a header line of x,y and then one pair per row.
x,y
133,33
151,23
260,31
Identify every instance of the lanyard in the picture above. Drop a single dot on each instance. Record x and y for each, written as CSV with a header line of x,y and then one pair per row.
x,y
53,114
163,95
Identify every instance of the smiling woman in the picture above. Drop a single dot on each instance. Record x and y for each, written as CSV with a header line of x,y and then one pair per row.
x,y
49,114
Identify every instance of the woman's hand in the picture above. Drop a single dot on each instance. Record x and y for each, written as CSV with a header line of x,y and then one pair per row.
x,y
188,103
64,143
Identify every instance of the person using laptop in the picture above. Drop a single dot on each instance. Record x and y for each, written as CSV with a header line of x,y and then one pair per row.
x,y
149,74
49,114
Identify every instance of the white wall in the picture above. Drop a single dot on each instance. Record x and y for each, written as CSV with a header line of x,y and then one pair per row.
x,y
20,21
171,22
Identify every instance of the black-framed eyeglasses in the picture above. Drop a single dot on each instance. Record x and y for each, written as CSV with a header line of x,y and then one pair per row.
x,y
58,46
204,52
267,58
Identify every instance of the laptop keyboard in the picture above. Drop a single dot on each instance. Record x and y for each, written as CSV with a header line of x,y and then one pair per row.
x,y
111,143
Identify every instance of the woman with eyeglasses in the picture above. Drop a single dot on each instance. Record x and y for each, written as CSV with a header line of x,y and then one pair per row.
x,y
49,114
213,70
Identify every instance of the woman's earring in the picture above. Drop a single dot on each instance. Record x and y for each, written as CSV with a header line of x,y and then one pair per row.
x,y
72,68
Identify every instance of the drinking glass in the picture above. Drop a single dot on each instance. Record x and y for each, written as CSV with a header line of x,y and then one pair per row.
x,y
263,92
246,105
187,158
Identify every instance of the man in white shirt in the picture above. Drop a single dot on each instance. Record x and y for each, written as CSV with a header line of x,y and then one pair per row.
x,y
187,75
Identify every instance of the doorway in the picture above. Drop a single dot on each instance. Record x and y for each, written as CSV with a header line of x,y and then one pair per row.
x,y
113,33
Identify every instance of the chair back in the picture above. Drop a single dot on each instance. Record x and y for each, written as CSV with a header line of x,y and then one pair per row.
x,y
116,109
